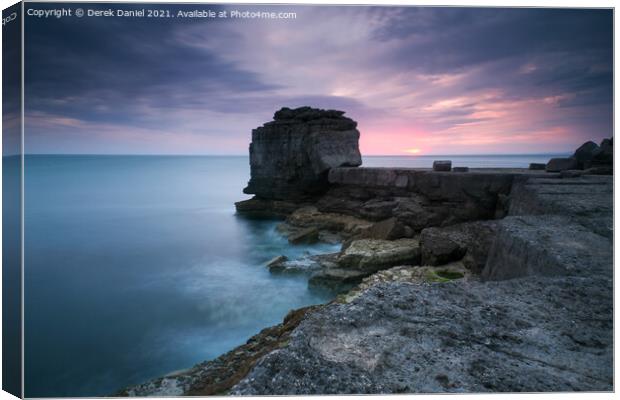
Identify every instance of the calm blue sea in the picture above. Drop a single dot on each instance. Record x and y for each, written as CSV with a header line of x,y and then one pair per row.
x,y
136,266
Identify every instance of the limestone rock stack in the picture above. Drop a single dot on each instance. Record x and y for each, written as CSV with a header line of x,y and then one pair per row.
x,y
291,156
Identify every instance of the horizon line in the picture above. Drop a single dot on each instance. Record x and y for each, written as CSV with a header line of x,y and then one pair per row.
x,y
247,155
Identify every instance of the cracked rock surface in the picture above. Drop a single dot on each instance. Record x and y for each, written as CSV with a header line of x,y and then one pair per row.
x,y
531,334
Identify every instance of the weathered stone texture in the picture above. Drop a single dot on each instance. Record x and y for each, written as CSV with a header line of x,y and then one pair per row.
x,y
468,241
415,198
291,156
533,335
561,164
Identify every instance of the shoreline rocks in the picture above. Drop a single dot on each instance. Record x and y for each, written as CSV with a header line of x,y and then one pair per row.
x,y
371,255
548,234
487,281
218,376
524,335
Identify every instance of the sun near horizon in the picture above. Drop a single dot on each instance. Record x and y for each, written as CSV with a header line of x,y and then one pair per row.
x,y
413,151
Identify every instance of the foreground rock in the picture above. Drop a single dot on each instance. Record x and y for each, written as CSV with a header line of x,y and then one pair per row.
x,y
291,155
532,334
410,274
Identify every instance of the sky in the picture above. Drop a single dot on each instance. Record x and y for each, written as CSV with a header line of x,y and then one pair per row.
x,y
417,80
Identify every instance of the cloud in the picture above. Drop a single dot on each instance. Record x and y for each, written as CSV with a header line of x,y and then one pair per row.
x,y
466,79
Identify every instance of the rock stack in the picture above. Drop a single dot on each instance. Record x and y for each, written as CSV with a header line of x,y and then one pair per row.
x,y
291,155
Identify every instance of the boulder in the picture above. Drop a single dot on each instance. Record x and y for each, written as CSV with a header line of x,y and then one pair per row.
x,y
469,242
262,208
310,216
372,255
307,235
337,279
537,166
442,165
604,156
561,164
437,248
585,153
307,264
276,261
388,229
290,157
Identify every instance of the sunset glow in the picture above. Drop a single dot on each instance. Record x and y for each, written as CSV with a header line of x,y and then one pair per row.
x,y
417,80
413,151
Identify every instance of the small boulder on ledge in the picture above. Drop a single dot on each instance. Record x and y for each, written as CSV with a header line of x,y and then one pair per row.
x,y
442,165
537,166
562,164
460,169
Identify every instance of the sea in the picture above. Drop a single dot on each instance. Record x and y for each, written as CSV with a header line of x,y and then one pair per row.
x,y
137,266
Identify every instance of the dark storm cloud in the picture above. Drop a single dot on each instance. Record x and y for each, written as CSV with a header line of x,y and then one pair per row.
x,y
448,39
97,68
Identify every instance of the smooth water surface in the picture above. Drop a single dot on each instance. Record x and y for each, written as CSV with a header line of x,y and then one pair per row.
x,y
138,266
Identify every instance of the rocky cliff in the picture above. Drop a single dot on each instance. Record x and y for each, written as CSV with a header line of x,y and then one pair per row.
x,y
291,156
472,281
538,317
